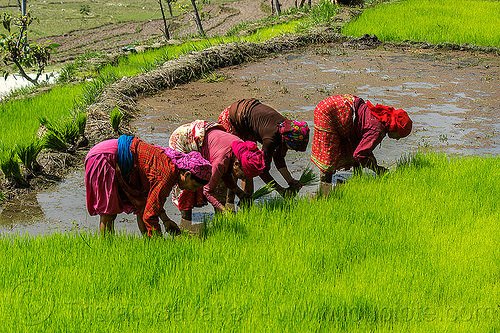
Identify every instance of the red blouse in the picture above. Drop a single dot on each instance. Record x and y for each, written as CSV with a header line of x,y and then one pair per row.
x,y
154,174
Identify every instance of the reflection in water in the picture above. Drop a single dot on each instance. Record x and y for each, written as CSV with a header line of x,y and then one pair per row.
x,y
25,208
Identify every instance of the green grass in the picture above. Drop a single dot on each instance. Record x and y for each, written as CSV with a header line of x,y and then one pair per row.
x,y
20,118
415,250
474,22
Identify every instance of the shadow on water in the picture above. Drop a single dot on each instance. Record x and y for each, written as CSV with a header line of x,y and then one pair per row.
x,y
453,107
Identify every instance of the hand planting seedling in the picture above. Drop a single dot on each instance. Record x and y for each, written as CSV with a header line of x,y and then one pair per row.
x,y
264,190
308,177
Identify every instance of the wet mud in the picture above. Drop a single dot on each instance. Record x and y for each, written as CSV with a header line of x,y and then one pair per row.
x,y
451,97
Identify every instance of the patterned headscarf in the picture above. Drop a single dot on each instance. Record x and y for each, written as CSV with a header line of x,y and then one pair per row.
x,y
189,137
395,120
251,158
295,134
192,162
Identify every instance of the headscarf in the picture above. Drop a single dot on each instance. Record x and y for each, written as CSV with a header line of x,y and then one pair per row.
x,y
192,162
124,156
295,134
395,120
251,158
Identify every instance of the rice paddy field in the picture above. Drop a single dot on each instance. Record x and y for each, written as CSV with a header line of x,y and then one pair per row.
x,y
59,17
415,250
474,22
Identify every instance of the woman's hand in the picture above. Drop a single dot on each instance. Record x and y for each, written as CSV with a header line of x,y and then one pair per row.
x,y
380,170
170,226
295,185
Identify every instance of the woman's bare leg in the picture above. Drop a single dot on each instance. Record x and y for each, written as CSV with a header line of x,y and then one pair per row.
x,y
230,196
325,183
141,225
107,224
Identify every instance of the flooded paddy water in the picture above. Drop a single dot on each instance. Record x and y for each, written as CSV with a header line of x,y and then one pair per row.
x,y
451,96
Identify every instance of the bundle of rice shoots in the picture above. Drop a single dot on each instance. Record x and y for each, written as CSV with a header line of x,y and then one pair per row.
x,y
308,177
264,190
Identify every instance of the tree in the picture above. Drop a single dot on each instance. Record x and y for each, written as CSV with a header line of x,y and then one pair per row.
x,y
197,18
165,26
15,48
169,4
275,7
349,2
302,2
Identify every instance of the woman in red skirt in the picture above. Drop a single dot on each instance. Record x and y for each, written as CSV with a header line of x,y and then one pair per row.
x,y
346,131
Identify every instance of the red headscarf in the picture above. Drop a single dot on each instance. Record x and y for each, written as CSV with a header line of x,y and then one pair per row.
x,y
395,120
251,158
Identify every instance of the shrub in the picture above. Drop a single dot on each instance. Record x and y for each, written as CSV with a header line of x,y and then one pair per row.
x,y
115,117
12,170
28,153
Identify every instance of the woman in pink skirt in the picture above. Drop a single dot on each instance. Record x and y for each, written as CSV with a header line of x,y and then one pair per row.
x,y
130,176
346,131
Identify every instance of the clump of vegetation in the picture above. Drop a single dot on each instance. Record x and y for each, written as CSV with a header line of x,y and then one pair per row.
x,y
413,160
308,177
93,89
264,190
214,77
12,170
115,118
27,154
65,135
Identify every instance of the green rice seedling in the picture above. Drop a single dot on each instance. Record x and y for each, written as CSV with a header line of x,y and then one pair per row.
x,y
308,177
264,190
115,117
68,73
443,21
213,77
379,258
12,170
80,120
324,12
27,154
94,88
53,141
63,135
414,160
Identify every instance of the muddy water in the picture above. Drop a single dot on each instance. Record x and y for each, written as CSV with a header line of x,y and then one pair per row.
x,y
451,96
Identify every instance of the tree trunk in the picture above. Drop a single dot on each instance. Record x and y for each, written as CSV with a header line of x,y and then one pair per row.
x,y
276,7
197,18
169,4
302,3
166,33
